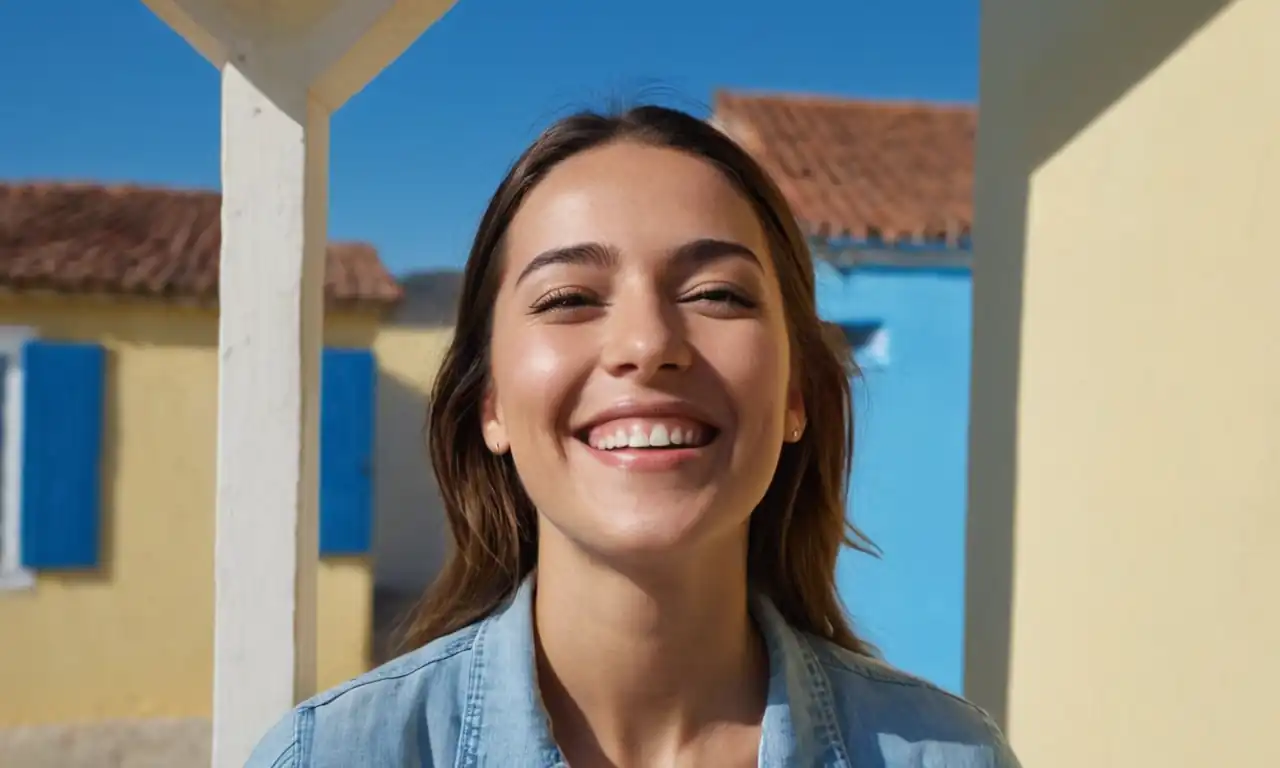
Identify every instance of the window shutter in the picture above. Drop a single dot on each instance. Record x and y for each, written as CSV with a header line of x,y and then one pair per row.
x,y
62,425
348,385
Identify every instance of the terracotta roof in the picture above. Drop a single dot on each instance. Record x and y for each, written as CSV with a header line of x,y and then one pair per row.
x,y
84,238
863,170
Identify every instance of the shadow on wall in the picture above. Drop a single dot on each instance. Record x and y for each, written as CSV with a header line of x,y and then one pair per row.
x,y
1031,106
411,536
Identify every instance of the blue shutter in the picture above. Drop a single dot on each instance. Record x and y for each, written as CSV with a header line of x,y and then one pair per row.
x,y
347,410
62,454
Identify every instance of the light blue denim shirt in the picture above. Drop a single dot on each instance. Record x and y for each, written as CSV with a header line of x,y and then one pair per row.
x,y
470,700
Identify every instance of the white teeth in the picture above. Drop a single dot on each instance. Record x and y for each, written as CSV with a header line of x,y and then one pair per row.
x,y
658,438
638,439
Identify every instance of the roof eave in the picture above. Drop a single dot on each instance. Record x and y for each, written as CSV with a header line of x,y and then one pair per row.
x,y
381,304
849,255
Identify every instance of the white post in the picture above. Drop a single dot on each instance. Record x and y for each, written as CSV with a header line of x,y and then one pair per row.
x,y
285,67
275,176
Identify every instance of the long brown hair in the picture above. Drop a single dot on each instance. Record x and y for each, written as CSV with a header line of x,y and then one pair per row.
x,y
799,527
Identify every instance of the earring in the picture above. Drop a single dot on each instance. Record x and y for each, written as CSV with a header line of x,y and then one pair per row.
x,y
795,434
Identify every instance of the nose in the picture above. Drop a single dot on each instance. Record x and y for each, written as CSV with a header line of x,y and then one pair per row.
x,y
645,335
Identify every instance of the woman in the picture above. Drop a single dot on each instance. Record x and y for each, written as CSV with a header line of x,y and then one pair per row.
x,y
641,432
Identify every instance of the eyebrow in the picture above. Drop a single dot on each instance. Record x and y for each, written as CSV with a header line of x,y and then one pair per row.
x,y
601,255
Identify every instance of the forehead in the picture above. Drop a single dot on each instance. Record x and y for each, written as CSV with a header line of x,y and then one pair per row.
x,y
639,199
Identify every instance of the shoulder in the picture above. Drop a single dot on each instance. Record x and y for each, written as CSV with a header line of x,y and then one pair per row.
x,y
905,720
403,713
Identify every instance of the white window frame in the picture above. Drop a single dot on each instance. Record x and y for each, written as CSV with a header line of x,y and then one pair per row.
x,y
873,353
12,574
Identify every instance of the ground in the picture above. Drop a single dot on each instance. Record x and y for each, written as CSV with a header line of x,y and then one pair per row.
x,y
141,744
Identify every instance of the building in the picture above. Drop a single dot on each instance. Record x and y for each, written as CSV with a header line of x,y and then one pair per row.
x,y
884,191
108,346
411,534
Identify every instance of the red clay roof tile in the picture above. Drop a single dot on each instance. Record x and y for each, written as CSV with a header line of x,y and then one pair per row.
x,y
85,238
864,170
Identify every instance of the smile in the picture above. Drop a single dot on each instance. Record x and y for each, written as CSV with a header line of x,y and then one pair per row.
x,y
649,433
649,437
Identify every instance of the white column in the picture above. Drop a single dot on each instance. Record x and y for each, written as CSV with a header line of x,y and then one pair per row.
x,y
286,66
275,177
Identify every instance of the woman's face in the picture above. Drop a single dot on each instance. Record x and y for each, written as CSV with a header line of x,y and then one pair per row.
x,y
640,359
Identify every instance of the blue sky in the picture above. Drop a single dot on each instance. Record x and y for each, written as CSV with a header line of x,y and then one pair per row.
x,y
107,93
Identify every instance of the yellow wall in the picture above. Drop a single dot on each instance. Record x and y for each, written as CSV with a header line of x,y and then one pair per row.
x,y
135,638
410,534
1125,448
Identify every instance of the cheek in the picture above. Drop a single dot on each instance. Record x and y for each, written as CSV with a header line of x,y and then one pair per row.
x,y
754,368
534,373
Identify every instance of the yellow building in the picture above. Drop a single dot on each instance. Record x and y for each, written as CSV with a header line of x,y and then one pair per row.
x,y
108,346
1124,502
410,535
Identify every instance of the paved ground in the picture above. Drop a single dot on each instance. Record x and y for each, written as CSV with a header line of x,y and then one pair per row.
x,y
121,744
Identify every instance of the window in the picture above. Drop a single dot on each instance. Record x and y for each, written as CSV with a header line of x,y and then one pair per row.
x,y
12,574
870,344
52,409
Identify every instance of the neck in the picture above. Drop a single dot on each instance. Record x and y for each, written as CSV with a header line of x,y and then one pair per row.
x,y
638,668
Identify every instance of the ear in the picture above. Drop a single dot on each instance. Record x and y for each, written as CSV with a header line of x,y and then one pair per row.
x,y
796,418
492,424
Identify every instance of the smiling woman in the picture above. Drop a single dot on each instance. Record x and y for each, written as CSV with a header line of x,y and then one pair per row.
x,y
642,435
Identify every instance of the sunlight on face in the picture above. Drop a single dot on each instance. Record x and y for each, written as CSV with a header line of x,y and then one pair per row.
x,y
640,358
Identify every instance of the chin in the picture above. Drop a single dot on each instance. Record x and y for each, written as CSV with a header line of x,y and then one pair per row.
x,y
653,532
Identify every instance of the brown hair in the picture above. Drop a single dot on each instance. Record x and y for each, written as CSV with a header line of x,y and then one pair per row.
x,y
797,530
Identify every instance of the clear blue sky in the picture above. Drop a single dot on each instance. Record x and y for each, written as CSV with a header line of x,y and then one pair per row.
x,y
101,90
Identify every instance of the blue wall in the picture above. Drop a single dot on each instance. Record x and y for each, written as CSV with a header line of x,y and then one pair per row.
x,y
909,467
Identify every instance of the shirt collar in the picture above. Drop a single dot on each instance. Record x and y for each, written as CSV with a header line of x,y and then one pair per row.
x,y
504,722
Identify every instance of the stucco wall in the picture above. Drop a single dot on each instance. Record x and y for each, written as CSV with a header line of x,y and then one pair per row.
x,y
908,486
410,535
1125,490
133,639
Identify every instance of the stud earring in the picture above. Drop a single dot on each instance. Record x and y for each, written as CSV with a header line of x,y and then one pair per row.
x,y
795,434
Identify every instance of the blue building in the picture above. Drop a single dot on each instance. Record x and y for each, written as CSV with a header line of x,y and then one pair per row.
x,y
885,193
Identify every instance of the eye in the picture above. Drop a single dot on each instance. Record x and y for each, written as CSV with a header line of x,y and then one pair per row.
x,y
563,299
722,296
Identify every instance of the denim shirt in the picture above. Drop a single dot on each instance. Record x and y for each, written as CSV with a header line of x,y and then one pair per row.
x,y
470,700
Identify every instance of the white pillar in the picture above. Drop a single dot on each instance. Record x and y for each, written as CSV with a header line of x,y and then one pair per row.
x,y
275,177
286,66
